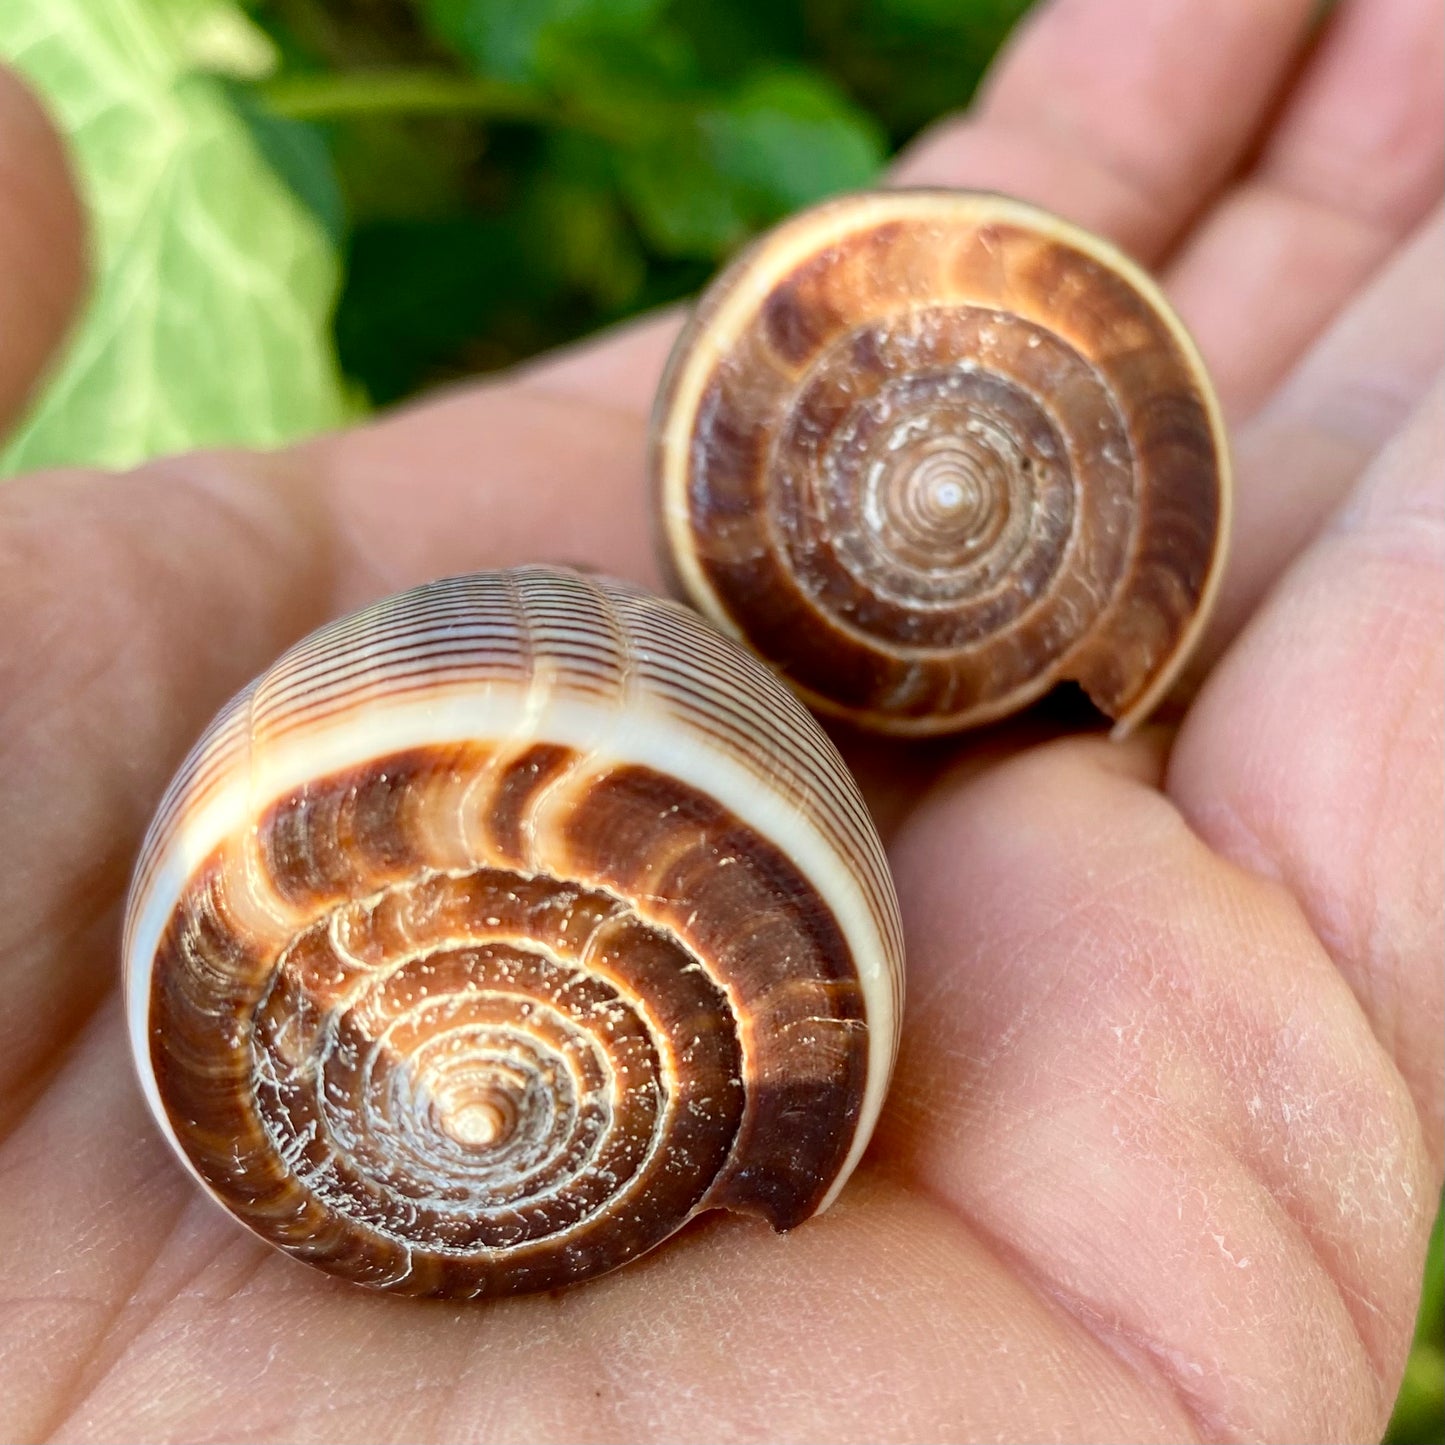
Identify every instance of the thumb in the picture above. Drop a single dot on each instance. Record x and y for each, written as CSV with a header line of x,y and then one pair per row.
x,y
42,244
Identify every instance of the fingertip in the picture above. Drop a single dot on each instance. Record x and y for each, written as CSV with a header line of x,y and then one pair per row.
x,y
43,260
1122,115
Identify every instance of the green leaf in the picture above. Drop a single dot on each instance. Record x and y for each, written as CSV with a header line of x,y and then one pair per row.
x,y
432,299
419,294
572,222
681,204
741,36
1419,1414
625,83
909,61
207,323
788,138
1431,1324
510,38
725,168
218,38
299,156
391,170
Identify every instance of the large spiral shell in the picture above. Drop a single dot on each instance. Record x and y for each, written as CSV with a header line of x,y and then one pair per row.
x,y
931,453
502,927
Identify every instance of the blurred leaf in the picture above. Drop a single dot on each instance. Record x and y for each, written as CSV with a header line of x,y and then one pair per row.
x,y
789,138
395,169
987,18
573,223
1432,1296
509,38
337,35
909,61
1419,1414
683,206
732,39
216,37
725,168
226,43
431,299
208,321
298,155
626,83
418,292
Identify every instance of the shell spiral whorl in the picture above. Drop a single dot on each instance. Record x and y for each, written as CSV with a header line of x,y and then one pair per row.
x,y
931,453
500,928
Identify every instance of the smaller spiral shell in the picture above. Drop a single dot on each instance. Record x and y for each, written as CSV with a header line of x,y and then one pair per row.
x,y
931,453
501,928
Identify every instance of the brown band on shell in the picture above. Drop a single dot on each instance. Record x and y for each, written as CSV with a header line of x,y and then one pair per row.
x,y
786,966
931,453
366,1098
500,927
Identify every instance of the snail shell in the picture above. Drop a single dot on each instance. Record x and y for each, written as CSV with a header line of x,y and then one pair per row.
x,y
931,453
502,927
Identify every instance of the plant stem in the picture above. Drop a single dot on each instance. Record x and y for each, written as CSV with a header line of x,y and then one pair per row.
x,y
339,95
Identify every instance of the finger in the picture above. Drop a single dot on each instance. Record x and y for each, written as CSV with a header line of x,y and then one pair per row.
x,y
1352,165
1313,756
620,369
42,260
1129,1064
1123,117
1297,458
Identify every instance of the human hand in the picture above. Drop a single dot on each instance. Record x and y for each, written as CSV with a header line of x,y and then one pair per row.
x,y
1166,1132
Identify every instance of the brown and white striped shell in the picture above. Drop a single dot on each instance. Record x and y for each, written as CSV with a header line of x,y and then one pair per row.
x,y
502,927
931,453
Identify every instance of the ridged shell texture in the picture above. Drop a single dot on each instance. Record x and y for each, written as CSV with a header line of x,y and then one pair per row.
x,y
931,453
502,927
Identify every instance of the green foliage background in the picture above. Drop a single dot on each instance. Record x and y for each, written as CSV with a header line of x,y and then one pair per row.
x,y
303,208
306,207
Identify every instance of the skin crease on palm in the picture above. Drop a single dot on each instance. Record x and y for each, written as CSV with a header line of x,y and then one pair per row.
x,y
1165,1137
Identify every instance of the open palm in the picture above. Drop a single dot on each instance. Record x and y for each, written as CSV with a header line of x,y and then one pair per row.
x,y
1166,1132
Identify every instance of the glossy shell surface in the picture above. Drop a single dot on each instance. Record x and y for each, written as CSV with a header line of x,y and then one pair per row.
x,y
502,927
931,453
